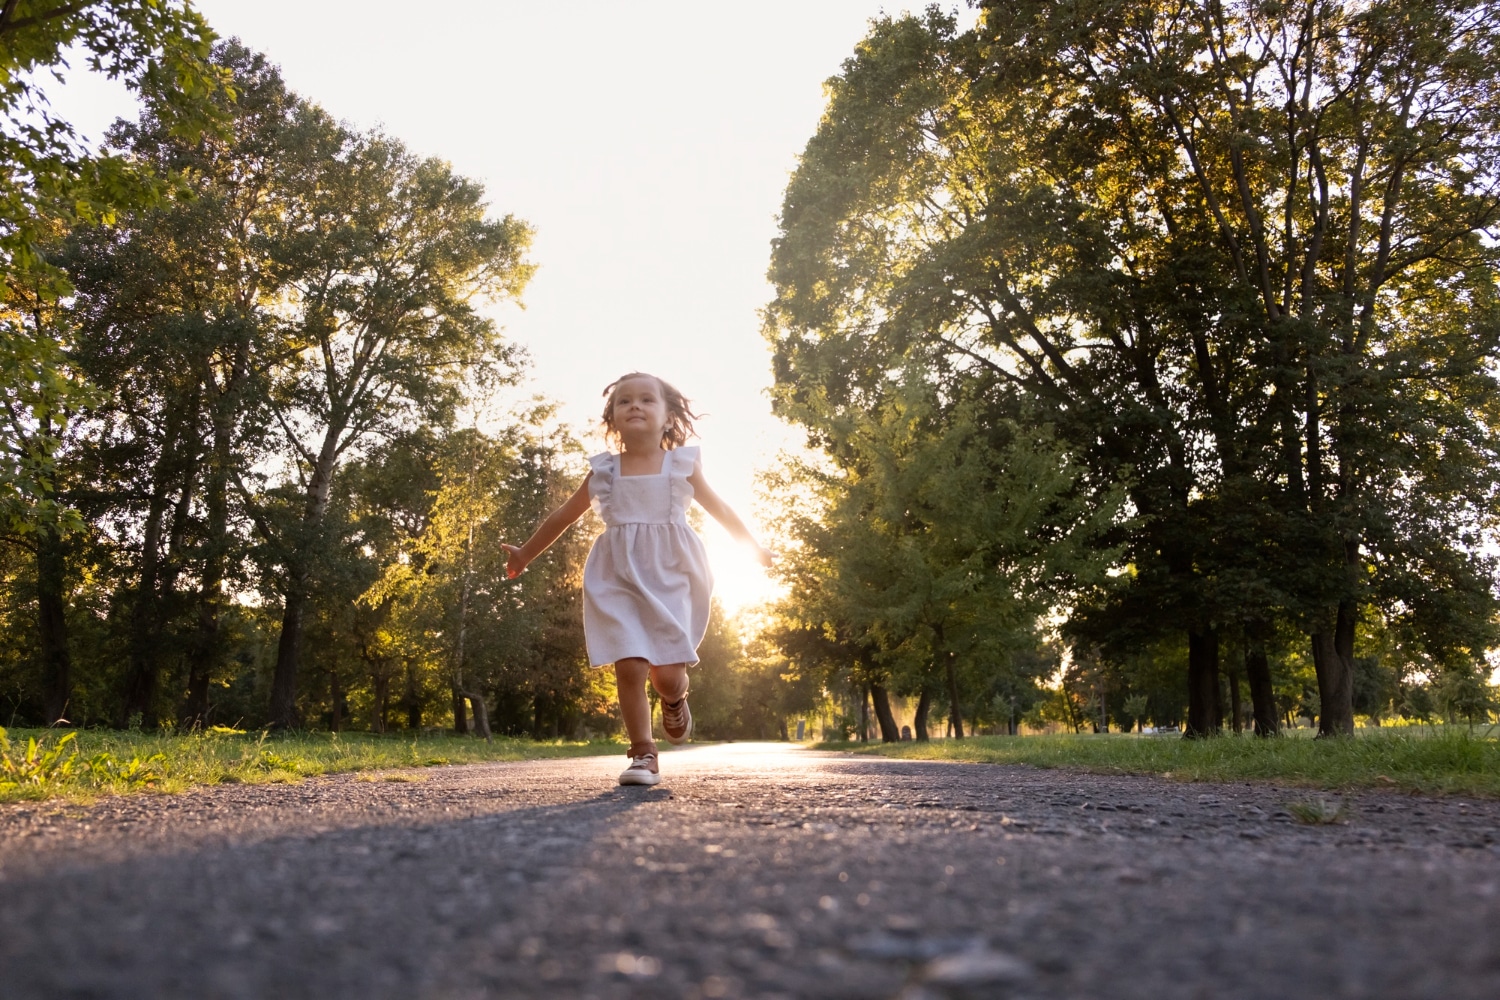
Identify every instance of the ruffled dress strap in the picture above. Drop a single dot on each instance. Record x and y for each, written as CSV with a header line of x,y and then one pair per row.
x,y
684,461
602,482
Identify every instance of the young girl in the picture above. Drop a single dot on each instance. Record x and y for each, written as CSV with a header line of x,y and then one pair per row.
x,y
646,585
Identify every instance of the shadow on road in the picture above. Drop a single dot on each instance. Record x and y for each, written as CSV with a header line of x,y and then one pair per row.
x,y
371,907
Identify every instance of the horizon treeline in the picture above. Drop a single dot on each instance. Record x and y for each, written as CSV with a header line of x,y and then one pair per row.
x,y
1149,348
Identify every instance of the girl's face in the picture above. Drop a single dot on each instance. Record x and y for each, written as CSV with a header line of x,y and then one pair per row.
x,y
640,409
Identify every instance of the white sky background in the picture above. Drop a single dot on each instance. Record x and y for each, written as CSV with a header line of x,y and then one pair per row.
x,y
647,142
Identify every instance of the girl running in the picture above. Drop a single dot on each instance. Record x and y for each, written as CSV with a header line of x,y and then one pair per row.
x,y
646,584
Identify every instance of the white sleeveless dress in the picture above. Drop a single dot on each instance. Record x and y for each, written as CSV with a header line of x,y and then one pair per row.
x,y
646,585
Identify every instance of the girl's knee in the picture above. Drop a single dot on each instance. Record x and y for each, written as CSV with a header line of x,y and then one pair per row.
x,y
670,681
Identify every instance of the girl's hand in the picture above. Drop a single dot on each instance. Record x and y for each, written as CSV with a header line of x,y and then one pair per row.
x,y
765,556
516,564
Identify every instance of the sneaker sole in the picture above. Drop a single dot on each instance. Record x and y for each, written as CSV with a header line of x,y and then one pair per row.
x,y
639,778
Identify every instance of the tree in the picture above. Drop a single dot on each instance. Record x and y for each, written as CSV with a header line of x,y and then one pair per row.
x,y
948,533
388,253
444,600
47,183
177,306
1234,253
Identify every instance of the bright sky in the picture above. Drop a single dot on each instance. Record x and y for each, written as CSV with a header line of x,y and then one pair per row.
x,y
647,142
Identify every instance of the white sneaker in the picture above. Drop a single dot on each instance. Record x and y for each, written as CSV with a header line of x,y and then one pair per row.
x,y
642,771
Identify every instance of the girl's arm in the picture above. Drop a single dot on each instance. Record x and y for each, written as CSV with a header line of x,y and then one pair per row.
x,y
714,504
548,531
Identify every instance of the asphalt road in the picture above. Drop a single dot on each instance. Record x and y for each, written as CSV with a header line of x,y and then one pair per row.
x,y
753,870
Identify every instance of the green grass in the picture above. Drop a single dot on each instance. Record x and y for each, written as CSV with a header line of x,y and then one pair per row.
x,y
42,764
1447,760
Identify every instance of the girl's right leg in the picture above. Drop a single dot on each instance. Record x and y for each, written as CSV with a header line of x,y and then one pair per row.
x,y
630,685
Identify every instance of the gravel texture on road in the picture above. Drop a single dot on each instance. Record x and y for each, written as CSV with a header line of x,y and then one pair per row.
x,y
753,870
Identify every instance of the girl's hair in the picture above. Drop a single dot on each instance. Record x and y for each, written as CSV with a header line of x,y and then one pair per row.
x,y
680,415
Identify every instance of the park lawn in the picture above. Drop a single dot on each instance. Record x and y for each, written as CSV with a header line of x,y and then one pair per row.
x,y
1443,760
99,762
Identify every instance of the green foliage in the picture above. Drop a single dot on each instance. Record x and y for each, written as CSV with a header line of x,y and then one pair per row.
x,y
39,767
299,313
1237,255
927,556
48,181
1447,760
88,763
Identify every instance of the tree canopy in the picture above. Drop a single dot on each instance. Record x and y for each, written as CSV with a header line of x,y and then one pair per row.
x,y
1239,255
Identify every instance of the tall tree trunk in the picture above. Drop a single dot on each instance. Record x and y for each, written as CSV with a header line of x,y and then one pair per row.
x,y
1258,673
289,656
919,724
864,713
482,717
412,701
1235,707
203,657
889,731
460,712
382,682
299,577
1204,711
143,671
1333,659
954,717
52,624
173,470
336,715
460,646
206,650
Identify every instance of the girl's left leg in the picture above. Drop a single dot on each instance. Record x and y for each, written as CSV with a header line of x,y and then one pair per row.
x,y
671,682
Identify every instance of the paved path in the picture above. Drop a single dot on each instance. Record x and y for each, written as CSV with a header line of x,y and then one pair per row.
x,y
753,871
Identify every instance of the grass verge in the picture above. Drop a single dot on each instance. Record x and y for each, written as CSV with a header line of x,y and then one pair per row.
x,y
1447,760
42,764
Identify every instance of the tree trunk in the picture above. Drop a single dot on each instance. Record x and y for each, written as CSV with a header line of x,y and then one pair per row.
x,y
1333,659
206,651
288,660
336,716
1235,716
864,714
460,712
954,717
289,647
382,681
460,647
413,703
143,670
1204,711
52,625
919,724
1262,696
482,717
157,582
889,731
